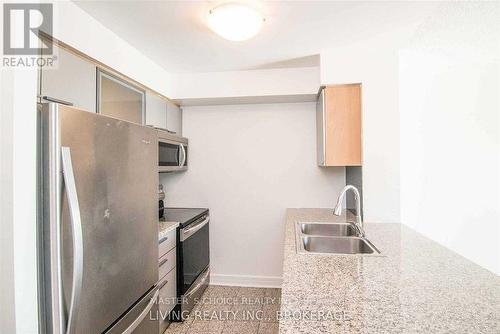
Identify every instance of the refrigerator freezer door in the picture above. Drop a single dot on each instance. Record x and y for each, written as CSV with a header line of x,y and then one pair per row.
x,y
143,318
115,172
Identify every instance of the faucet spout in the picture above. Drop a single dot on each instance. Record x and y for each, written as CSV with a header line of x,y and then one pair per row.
x,y
338,208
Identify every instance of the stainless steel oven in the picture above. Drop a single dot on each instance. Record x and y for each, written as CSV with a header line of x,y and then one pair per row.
x,y
193,257
172,152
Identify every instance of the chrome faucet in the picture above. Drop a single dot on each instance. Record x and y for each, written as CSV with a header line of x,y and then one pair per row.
x,y
338,208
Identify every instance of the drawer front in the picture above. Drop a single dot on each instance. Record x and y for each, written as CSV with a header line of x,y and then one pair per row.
x,y
167,263
167,243
167,298
148,324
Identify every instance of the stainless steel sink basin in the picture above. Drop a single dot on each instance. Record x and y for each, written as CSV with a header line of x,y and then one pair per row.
x,y
328,229
332,239
335,245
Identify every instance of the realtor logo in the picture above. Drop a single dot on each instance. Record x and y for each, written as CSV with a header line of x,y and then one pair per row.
x,y
22,25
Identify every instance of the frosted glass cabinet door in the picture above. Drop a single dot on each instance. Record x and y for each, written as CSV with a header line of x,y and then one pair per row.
x,y
119,99
73,80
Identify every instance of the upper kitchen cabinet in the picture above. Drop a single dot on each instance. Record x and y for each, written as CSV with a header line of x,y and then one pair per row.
x,y
338,116
174,118
72,81
156,110
162,113
120,99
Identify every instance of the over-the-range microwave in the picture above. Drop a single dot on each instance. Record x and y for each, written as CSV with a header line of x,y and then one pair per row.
x,y
172,152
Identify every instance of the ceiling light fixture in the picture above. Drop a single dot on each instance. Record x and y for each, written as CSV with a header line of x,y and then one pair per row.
x,y
235,21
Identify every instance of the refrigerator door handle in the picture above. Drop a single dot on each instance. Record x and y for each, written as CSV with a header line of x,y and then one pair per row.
x,y
76,225
143,314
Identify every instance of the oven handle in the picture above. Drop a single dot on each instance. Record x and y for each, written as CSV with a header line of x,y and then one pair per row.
x,y
186,233
201,281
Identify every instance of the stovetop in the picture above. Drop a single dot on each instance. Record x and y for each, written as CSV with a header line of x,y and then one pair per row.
x,y
184,216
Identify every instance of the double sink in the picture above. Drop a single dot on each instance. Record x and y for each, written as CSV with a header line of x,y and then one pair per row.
x,y
332,238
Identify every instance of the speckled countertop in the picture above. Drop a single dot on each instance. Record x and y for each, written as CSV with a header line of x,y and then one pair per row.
x,y
418,286
165,227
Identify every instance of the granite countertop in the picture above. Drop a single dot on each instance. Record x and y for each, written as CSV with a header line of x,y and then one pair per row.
x,y
417,286
165,227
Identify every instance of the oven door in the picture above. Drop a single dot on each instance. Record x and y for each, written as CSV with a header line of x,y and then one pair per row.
x,y
195,255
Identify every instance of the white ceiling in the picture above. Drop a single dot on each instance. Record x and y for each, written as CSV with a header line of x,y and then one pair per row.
x,y
174,35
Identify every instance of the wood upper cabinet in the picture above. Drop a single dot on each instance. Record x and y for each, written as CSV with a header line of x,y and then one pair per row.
x,y
338,116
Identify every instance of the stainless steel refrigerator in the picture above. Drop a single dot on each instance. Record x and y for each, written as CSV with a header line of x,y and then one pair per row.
x,y
98,205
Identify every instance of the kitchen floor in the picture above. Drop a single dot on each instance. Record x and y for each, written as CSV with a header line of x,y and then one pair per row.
x,y
228,310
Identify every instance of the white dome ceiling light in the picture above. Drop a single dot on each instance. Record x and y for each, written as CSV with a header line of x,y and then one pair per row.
x,y
235,21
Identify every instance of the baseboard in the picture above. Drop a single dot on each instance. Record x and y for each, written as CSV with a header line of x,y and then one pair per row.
x,y
246,281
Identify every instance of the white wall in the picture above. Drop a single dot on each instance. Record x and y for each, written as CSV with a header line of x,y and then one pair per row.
x,y
269,82
7,293
18,297
18,207
374,64
450,109
248,163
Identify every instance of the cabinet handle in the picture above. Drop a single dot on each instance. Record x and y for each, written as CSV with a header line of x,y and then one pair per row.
x,y
53,99
163,284
162,262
